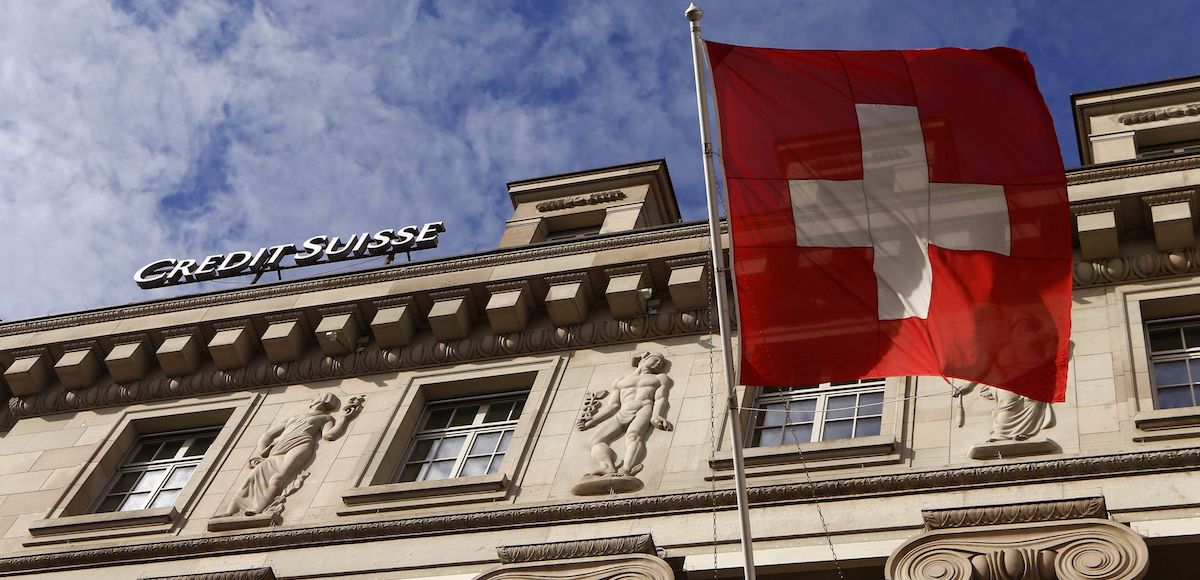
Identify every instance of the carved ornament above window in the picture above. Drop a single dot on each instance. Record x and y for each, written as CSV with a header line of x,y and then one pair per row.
x,y
593,199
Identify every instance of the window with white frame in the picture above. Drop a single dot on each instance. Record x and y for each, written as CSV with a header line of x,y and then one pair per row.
x,y
789,416
1175,363
159,467
463,438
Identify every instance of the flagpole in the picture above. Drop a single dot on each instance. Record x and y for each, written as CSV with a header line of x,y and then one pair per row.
x,y
694,14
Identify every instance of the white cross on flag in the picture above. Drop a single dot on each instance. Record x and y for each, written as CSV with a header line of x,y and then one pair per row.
x,y
895,213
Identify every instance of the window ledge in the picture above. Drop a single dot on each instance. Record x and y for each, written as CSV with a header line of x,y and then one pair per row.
x,y
1167,418
395,496
821,451
819,456
98,526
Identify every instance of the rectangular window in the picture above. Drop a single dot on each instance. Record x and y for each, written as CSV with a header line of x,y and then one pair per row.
x,y
791,416
159,467
463,438
1175,363
573,233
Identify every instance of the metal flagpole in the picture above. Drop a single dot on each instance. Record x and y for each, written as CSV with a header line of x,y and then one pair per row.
x,y
694,14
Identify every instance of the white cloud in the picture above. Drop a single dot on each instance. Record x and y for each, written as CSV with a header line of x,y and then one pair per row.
x,y
137,130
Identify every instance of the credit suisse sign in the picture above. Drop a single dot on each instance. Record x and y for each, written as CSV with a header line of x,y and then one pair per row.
x,y
315,250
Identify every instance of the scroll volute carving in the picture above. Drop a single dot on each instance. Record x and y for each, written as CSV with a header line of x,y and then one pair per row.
x,y
1085,549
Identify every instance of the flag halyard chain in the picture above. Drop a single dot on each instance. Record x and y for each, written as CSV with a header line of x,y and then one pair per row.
x,y
712,427
718,274
812,489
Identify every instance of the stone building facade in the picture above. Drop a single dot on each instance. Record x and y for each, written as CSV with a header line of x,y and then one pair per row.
x,y
553,409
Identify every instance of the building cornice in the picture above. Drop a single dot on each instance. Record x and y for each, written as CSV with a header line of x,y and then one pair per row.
x,y
316,366
489,259
1136,169
1056,470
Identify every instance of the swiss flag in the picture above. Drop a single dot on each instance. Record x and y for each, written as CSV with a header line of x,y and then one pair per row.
x,y
895,213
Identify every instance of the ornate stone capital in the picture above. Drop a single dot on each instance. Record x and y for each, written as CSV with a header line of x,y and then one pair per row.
x,y
640,566
1021,513
596,559
255,574
637,544
1078,549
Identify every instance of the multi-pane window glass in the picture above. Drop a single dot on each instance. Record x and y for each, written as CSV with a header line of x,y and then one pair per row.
x,y
156,471
805,414
1175,358
462,439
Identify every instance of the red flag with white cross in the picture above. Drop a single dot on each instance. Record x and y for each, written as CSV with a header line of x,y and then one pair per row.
x,y
895,213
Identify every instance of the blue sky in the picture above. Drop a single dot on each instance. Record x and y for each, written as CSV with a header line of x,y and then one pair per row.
x,y
136,130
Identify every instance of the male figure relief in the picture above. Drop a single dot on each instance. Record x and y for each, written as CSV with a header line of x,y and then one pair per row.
x,y
639,402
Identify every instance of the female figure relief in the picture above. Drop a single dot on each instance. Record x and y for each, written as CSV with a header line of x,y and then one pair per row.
x,y
283,453
1016,417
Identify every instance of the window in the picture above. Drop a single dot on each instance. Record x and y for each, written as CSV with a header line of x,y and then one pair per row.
x,y
1163,358
153,475
797,415
1175,362
1168,149
147,474
457,436
573,233
574,225
1166,141
853,424
463,438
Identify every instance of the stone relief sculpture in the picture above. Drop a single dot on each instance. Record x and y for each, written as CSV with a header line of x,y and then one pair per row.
x,y
632,407
284,451
1016,418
